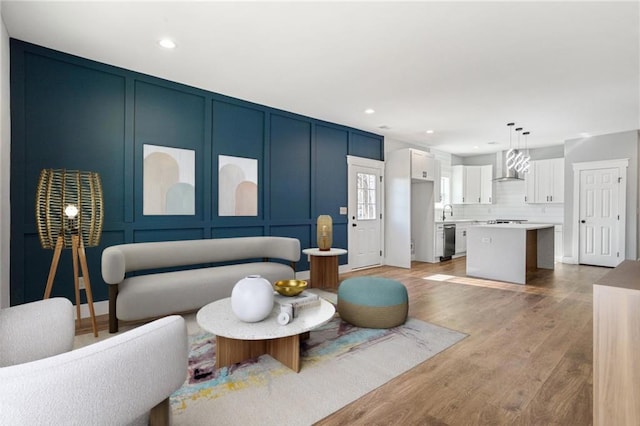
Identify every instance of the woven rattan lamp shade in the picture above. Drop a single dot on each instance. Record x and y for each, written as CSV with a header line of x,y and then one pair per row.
x,y
57,188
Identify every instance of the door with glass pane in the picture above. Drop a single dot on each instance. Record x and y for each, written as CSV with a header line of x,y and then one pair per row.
x,y
365,197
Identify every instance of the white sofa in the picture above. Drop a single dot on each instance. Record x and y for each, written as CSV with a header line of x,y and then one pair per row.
x,y
207,275
124,380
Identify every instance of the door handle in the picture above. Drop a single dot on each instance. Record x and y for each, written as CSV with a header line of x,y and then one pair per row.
x,y
583,221
354,224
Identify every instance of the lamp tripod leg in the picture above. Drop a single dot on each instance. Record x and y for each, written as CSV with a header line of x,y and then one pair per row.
x,y
54,266
87,285
76,281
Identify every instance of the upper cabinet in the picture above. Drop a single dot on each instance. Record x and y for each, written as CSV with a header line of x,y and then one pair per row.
x,y
423,165
486,184
545,181
471,184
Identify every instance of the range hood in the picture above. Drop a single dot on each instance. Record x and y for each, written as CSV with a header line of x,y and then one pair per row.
x,y
502,173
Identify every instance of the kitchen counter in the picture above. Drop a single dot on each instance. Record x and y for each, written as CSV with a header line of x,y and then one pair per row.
x,y
459,221
509,252
525,226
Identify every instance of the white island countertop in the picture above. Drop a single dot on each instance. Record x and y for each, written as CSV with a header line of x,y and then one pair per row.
x,y
525,226
509,251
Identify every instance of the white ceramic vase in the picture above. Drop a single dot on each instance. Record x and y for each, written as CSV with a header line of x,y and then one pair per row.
x,y
252,299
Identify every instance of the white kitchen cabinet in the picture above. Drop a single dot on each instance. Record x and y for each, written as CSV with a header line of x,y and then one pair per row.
x,y
457,184
409,214
461,238
422,165
439,241
545,181
471,184
530,184
486,184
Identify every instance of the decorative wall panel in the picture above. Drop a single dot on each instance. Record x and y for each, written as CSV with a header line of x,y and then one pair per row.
x,y
70,112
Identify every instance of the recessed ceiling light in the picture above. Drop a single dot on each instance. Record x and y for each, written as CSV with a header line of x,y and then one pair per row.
x,y
369,111
585,135
429,132
476,147
384,126
492,143
167,43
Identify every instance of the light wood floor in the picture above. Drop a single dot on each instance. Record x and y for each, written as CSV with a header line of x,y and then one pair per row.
x,y
527,359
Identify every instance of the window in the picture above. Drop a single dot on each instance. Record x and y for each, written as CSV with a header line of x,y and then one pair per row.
x,y
367,203
445,192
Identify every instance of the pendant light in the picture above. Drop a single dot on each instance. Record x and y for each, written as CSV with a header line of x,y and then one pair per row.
x,y
527,158
517,160
510,160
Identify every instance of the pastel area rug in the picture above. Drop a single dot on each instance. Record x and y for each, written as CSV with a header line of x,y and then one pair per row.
x,y
340,363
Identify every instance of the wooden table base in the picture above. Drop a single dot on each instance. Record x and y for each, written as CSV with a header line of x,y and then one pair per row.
x,y
324,272
284,349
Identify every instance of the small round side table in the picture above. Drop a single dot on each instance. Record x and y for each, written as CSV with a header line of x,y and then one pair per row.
x,y
324,266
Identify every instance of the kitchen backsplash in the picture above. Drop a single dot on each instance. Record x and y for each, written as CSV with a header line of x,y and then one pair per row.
x,y
508,203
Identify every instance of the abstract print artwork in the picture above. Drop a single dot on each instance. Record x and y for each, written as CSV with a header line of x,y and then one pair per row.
x,y
237,186
168,181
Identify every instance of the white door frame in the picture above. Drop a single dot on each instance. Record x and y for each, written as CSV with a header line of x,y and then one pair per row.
x,y
622,165
373,164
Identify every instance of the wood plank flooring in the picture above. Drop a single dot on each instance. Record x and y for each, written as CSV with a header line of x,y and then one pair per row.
x,y
527,359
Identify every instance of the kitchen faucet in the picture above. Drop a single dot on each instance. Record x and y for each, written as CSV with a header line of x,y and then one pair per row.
x,y
444,209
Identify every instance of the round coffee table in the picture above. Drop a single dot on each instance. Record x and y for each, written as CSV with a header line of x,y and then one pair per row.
x,y
238,341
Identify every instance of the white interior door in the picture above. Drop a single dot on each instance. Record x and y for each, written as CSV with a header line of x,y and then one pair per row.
x,y
365,215
599,217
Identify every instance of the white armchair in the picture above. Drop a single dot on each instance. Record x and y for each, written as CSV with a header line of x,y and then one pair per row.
x,y
125,379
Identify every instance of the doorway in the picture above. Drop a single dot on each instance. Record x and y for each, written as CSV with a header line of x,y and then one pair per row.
x,y
366,204
599,212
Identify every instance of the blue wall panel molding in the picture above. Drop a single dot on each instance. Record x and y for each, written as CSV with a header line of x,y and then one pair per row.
x,y
70,112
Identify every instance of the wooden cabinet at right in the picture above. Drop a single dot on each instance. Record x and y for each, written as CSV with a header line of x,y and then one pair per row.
x,y
544,182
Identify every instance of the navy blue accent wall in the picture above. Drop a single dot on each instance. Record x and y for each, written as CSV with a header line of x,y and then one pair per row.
x,y
73,113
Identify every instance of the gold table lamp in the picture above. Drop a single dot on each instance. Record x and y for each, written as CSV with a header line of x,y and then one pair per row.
x,y
69,214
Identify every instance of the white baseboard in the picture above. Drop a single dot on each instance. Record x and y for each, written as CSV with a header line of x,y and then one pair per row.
x,y
100,308
570,260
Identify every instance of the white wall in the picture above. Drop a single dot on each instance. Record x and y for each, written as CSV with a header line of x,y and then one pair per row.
x,y
613,146
5,143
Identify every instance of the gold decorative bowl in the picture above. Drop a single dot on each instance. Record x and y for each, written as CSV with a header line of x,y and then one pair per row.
x,y
290,287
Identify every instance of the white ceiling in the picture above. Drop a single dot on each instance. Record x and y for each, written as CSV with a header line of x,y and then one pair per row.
x,y
461,69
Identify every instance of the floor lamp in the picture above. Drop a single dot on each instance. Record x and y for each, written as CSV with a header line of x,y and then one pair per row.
x,y
69,214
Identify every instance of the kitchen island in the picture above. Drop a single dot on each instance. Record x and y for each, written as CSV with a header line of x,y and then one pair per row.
x,y
510,251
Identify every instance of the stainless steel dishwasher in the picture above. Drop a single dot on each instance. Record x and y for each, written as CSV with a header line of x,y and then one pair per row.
x,y
449,241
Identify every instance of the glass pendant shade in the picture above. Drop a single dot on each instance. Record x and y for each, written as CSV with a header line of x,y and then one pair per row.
x,y
325,232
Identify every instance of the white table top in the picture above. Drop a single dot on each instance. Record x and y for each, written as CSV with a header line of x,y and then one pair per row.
x,y
330,252
219,319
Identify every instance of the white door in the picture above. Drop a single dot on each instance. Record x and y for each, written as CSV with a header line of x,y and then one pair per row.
x,y
365,215
599,217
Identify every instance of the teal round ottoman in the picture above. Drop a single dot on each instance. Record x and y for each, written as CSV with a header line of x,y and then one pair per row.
x,y
373,302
